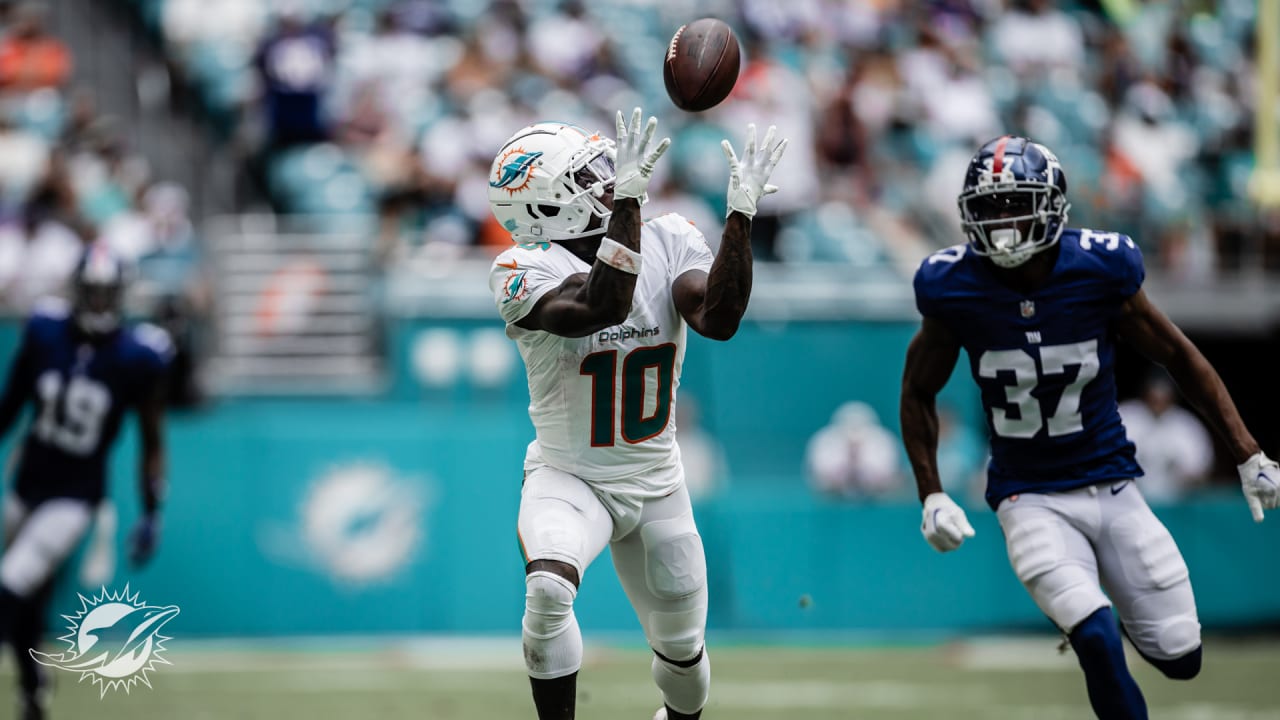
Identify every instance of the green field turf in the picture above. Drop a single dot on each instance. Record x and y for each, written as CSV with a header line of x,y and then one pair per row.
x,y
482,680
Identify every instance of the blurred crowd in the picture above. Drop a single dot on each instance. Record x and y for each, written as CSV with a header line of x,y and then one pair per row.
x,y
396,107
68,178
855,457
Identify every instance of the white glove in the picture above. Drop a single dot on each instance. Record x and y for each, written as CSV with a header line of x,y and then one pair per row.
x,y
634,167
748,179
944,526
1260,480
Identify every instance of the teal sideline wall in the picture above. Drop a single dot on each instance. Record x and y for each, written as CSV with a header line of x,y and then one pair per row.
x,y
234,558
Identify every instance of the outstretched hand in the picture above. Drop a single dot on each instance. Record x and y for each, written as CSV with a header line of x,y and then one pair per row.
x,y
634,160
749,177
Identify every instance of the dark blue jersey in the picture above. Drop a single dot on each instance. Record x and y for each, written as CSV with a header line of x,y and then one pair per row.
x,y
80,393
1045,361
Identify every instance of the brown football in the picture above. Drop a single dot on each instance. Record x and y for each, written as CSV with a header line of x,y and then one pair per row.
x,y
701,64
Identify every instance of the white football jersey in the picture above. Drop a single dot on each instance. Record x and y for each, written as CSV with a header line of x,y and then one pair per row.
x,y
603,405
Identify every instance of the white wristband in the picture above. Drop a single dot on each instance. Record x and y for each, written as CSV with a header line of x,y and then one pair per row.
x,y
618,257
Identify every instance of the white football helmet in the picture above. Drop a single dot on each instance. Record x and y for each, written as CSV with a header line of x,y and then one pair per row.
x,y
547,180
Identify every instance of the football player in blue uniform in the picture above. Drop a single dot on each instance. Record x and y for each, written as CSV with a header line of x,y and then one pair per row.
x,y
1039,307
81,369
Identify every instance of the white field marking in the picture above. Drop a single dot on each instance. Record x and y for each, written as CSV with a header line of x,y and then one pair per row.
x,y
1008,654
433,654
1198,711
803,694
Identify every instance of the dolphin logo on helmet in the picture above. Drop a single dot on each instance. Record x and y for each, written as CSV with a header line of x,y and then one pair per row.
x,y
515,170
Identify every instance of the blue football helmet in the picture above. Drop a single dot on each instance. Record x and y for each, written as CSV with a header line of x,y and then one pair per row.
x,y
1014,202
97,290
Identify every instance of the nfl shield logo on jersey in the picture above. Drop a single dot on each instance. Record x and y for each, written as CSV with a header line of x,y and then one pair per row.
x,y
1028,308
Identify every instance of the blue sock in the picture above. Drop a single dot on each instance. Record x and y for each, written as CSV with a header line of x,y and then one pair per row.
x,y
1179,668
1112,691
8,605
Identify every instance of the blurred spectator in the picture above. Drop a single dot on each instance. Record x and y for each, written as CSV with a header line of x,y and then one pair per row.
x,y
1034,35
962,455
706,470
565,44
29,57
1174,449
295,65
26,162
771,93
855,456
37,256
1146,104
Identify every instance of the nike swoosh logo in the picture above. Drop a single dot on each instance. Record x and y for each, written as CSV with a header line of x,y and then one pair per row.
x,y
513,265
1115,489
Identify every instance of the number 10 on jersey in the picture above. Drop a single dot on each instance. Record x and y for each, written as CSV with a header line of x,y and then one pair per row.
x,y
646,406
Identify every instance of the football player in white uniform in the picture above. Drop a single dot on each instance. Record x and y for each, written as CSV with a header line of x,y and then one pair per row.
x,y
598,302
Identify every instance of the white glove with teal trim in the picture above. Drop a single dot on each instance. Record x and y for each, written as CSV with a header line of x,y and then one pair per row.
x,y
945,526
633,160
1260,480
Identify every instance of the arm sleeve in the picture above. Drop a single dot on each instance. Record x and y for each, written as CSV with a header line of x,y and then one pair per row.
x,y
518,284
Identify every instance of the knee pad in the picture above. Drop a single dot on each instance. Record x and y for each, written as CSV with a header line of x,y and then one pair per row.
x,y
675,565
552,641
548,604
685,687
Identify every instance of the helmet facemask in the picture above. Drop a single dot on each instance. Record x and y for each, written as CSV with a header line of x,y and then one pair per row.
x,y
1011,222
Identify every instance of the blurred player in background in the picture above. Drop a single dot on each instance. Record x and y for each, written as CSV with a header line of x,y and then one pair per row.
x,y
81,369
1037,306
598,302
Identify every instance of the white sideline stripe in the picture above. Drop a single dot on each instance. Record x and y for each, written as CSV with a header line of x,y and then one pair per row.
x,y
867,694
433,654
1014,655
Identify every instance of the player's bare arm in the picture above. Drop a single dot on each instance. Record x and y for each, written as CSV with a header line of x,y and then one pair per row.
x,y
931,357
1151,332
590,302
713,303
145,535
151,427
1147,329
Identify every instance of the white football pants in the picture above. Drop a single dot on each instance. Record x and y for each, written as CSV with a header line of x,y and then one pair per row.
x,y
656,550
1068,547
38,540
